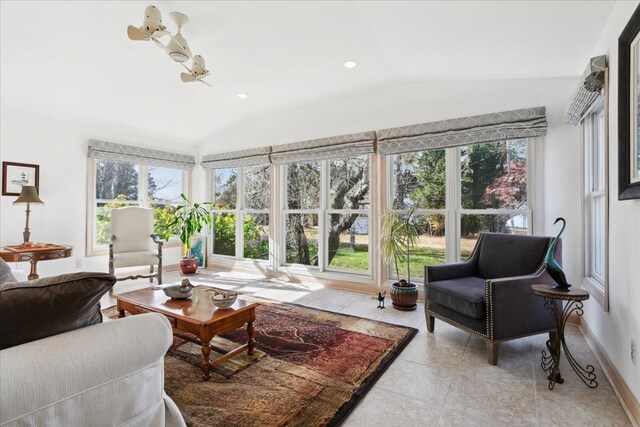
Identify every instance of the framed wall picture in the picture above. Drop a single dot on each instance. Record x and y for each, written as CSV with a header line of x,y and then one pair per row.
x,y
629,109
199,250
15,175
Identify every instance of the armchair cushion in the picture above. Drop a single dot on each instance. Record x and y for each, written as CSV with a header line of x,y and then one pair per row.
x,y
132,259
40,308
464,295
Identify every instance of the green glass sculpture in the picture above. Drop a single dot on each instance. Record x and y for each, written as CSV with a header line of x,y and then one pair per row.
x,y
554,270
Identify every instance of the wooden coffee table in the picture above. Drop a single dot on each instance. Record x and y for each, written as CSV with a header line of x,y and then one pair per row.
x,y
197,316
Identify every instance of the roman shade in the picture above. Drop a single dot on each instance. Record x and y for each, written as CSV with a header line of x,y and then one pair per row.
x,y
250,157
588,90
524,123
104,150
335,147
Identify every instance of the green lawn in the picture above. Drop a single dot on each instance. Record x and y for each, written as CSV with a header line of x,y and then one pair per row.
x,y
358,259
348,259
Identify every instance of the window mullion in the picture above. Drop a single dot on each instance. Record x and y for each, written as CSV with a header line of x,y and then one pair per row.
x,y
323,233
143,186
452,204
241,181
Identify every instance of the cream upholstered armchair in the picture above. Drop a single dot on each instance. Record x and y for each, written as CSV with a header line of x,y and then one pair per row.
x,y
133,242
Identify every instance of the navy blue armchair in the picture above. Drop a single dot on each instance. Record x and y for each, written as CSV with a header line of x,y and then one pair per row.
x,y
489,295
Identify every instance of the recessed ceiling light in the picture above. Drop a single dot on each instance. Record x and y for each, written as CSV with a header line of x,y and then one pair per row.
x,y
243,96
350,64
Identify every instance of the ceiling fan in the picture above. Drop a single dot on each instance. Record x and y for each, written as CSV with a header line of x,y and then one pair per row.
x,y
177,48
197,71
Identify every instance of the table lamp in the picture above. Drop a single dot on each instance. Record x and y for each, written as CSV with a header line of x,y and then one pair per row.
x,y
28,195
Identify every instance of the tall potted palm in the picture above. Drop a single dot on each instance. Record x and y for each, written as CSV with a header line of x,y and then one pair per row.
x,y
398,234
190,219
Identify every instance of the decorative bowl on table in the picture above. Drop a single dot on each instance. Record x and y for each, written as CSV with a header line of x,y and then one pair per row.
x,y
222,298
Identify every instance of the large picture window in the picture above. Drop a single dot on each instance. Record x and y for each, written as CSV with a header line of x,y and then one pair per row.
x,y
241,214
120,184
493,191
326,217
419,180
459,193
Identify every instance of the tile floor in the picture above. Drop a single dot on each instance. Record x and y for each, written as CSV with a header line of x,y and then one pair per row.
x,y
443,378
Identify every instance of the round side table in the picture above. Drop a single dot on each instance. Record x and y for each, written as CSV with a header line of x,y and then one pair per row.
x,y
551,363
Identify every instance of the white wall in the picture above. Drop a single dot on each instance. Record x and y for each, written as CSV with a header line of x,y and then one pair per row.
x,y
59,146
615,329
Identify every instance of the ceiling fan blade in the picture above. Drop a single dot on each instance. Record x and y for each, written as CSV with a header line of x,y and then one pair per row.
x,y
187,78
202,81
161,33
136,33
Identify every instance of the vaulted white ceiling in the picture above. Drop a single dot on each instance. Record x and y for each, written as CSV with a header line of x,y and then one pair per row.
x,y
74,57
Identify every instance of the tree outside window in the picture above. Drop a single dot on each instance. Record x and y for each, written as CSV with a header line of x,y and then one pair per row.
x,y
342,220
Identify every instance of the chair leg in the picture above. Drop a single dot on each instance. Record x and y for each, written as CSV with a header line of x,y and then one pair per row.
x,y
493,349
151,272
431,321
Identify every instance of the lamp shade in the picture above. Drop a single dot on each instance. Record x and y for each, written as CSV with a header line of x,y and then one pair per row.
x,y
29,194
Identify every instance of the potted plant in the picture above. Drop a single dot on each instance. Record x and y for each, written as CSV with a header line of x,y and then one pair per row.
x,y
398,233
190,218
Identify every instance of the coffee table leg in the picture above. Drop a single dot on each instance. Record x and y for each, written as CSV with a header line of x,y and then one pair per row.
x,y
121,314
206,365
252,342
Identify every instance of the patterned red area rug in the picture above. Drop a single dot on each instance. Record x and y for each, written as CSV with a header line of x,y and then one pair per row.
x,y
311,369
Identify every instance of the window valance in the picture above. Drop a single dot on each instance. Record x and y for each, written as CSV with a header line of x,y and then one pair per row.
x,y
250,157
335,147
525,123
145,156
588,90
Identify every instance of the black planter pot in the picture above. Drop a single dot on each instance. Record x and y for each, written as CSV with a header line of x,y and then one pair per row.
x,y
404,297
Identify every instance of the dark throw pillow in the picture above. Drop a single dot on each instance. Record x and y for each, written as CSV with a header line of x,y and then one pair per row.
x,y
5,273
40,308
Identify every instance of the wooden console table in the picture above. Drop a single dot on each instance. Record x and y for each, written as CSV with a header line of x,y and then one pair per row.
x,y
35,255
551,363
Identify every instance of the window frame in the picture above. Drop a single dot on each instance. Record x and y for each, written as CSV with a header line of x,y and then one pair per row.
x,y
323,212
597,286
240,212
453,199
92,247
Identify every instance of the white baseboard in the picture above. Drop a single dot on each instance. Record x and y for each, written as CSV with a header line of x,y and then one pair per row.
x,y
623,392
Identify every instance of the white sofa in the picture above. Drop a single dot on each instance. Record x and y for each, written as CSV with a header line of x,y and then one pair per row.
x,y
110,374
